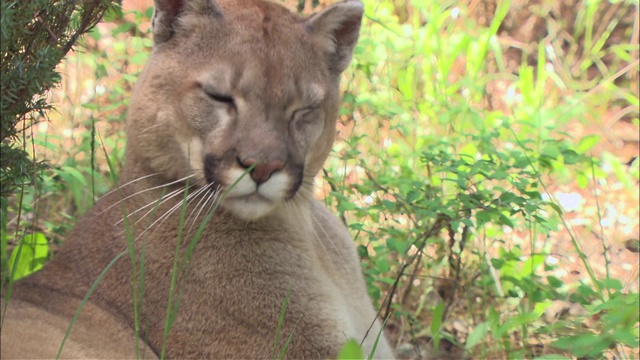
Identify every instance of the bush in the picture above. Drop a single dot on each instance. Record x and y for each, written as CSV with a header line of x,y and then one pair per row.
x,y
35,37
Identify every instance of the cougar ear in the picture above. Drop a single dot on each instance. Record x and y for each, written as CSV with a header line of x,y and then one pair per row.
x,y
339,25
167,13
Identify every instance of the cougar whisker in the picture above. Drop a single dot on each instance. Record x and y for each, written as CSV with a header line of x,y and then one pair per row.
x,y
164,198
168,213
151,127
146,190
120,187
212,197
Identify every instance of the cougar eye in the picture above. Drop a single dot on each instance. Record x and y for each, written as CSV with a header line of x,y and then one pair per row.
x,y
217,95
225,99
303,114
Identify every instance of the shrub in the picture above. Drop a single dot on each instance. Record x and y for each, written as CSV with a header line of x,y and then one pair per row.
x,y
35,37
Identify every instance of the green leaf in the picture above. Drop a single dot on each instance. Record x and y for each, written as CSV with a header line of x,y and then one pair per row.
x,y
550,151
350,350
555,207
389,205
589,345
382,265
29,256
436,324
613,284
497,263
73,173
506,221
587,143
345,205
530,265
554,282
483,217
122,28
586,291
113,13
139,58
396,245
570,157
517,321
412,196
479,333
363,252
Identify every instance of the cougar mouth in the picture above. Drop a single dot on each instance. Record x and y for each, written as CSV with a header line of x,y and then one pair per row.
x,y
250,195
250,200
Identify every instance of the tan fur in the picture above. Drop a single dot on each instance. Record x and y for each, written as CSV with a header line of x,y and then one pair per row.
x,y
269,237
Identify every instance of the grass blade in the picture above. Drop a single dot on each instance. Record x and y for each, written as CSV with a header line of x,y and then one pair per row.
x,y
86,298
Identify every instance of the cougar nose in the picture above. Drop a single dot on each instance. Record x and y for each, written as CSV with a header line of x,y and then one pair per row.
x,y
261,171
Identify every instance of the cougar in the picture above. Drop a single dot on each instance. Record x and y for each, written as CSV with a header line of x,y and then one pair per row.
x,y
212,245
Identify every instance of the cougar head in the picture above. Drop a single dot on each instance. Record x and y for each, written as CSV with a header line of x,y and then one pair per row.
x,y
233,85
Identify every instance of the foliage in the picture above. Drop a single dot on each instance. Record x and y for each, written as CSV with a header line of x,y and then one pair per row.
x,y
460,169
81,174
35,36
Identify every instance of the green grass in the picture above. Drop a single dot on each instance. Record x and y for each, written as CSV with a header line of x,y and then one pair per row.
x,y
446,171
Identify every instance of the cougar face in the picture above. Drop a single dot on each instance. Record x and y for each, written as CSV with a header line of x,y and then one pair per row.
x,y
272,134
246,96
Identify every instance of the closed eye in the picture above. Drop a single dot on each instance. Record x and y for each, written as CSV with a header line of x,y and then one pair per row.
x,y
217,96
305,117
303,112
225,99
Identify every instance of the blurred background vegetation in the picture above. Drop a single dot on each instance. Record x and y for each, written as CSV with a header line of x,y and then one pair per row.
x,y
487,167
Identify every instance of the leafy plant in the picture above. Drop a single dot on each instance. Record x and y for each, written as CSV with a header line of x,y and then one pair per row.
x,y
36,35
437,176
